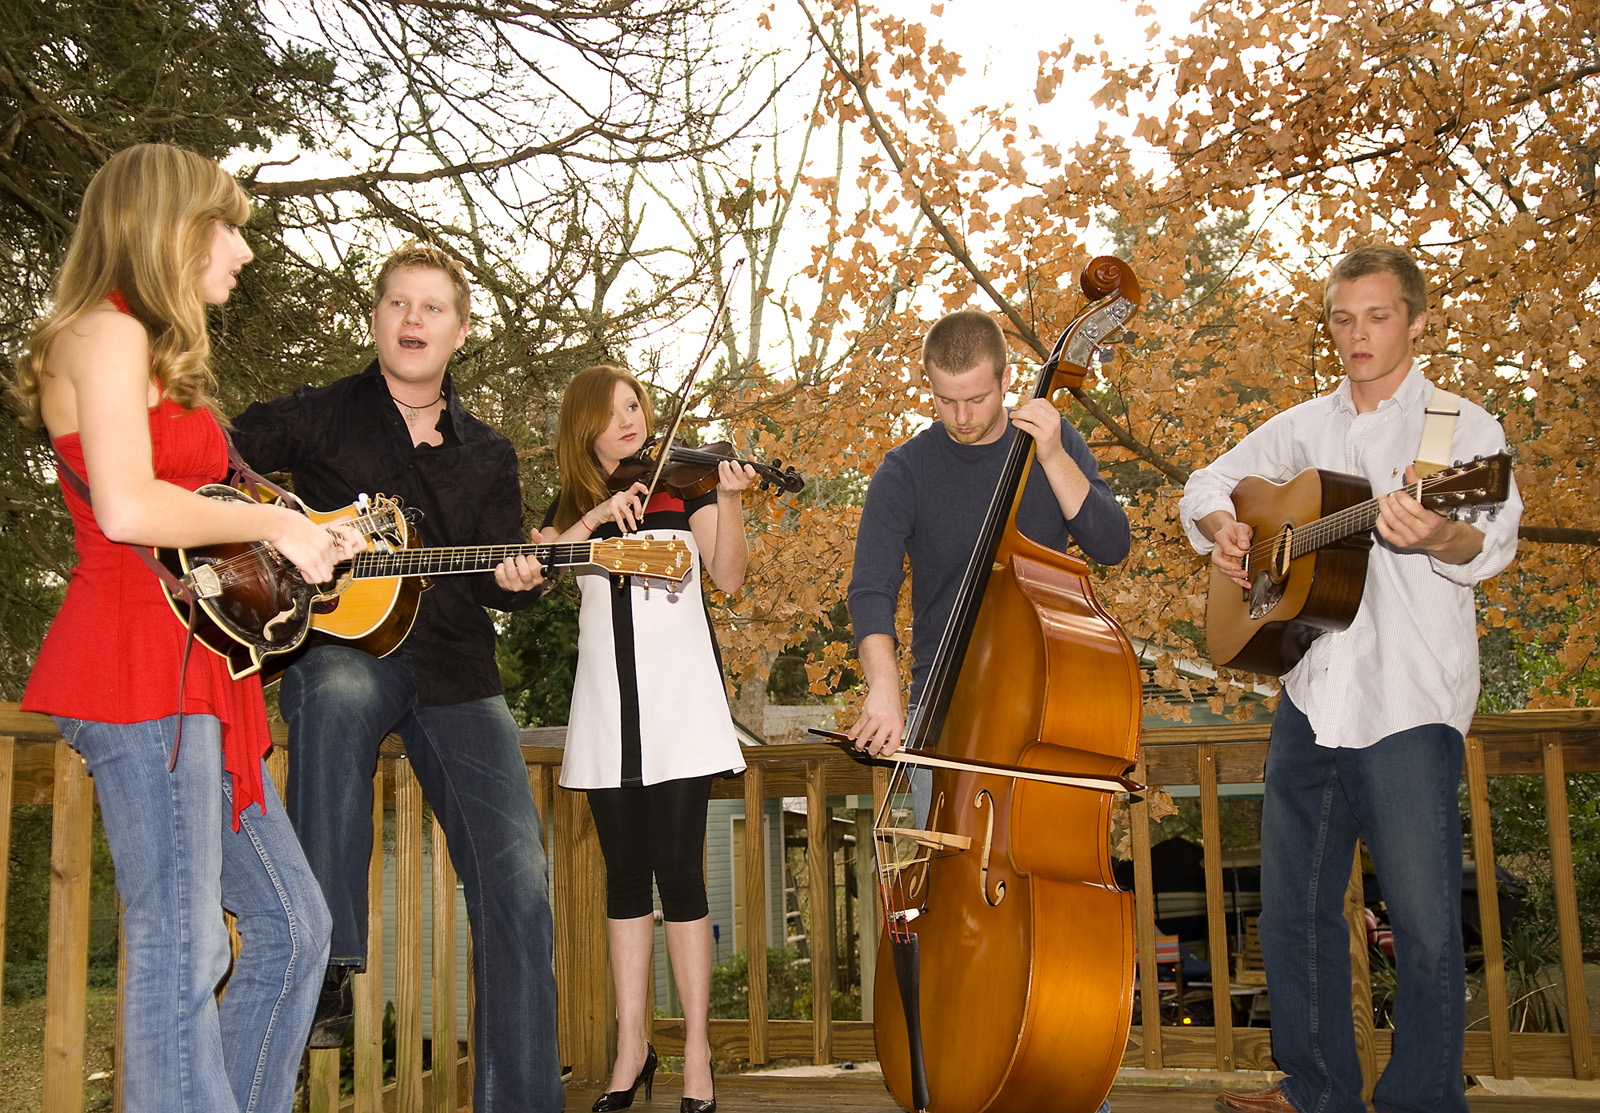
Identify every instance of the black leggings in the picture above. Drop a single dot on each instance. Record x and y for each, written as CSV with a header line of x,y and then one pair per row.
x,y
658,829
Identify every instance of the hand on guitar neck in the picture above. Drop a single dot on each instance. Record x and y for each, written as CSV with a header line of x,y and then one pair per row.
x,y
1409,526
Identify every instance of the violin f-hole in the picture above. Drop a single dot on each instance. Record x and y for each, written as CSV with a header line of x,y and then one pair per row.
x,y
978,802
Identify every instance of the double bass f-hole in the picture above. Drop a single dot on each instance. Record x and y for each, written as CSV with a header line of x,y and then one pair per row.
x,y
978,802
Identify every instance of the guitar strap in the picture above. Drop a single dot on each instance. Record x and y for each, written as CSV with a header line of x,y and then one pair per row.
x,y
240,473
1438,427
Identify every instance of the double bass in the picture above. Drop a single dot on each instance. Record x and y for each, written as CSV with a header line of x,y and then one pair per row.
x,y
1005,974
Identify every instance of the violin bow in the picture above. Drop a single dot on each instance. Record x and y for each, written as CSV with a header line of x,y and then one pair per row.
x,y
688,381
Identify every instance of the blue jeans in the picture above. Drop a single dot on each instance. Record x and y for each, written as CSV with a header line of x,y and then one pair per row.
x,y
339,704
179,863
1400,797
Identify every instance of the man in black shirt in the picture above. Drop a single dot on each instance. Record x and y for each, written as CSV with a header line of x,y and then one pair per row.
x,y
397,428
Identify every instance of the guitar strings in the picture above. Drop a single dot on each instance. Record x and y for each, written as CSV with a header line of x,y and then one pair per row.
x,y
1341,523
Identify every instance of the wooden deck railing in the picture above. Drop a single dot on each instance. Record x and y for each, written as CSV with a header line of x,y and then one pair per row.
x,y
36,768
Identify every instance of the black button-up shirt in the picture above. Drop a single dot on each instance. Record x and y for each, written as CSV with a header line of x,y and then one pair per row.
x,y
348,439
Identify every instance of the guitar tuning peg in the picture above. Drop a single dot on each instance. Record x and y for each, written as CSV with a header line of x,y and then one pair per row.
x,y
363,503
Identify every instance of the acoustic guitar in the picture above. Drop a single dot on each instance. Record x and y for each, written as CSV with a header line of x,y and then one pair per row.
x,y
1308,558
254,604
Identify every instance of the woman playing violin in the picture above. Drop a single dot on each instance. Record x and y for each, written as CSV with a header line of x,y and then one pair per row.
x,y
649,727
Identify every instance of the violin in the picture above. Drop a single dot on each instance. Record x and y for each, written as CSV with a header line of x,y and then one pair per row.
x,y
690,471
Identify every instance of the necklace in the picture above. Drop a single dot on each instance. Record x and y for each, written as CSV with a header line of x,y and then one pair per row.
x,y
412,413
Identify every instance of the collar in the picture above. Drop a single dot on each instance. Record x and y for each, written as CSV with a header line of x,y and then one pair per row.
x,y
373,377
1413,392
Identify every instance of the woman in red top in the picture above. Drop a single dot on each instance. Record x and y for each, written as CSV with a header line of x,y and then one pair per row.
x,y
118,374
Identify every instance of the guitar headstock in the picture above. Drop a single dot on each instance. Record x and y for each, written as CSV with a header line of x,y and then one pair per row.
x,y
1481,481
643,556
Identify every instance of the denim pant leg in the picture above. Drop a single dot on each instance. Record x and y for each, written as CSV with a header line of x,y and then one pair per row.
x,y
1405,789
468,759
1308,838
283,928
339,703
162,829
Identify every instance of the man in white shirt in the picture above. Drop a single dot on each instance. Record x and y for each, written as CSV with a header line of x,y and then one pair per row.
x,y
1367,740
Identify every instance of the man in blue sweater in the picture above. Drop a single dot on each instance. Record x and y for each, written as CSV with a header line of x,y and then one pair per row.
x,y
928,500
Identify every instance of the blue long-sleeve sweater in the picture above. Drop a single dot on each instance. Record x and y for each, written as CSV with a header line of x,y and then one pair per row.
x,y
927,501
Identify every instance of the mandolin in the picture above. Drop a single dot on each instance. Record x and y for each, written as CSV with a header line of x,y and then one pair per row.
x,y
1308,562
255,605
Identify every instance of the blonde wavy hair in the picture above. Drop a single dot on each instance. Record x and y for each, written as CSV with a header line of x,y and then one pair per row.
x,y
145,229
585,414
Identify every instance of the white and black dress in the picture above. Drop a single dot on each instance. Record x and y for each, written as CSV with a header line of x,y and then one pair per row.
x,y
648,702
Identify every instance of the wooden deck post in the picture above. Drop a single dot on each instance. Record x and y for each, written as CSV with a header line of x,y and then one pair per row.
x,y
819,868
755,913
66,980
408,938
1494,957
1559,820
586,1021
369,986
446,1053
1144,924
868,922
1216,918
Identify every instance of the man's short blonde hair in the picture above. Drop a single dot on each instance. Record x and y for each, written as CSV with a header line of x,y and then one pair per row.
x,y
426,256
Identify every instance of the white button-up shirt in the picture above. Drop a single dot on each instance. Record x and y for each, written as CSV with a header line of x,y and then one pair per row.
x,y
1411,655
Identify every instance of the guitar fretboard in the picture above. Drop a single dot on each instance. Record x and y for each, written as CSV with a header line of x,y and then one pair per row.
x,y
466,558
1335,527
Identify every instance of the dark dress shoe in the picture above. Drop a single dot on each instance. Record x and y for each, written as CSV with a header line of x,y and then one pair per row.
x,y
613,1100
336,1008
1262,1101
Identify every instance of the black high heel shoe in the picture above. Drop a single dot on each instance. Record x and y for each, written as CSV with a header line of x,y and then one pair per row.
x,y
621,1099
701,1105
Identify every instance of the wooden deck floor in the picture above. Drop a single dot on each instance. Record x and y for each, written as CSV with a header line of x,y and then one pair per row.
x,y
865,1094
